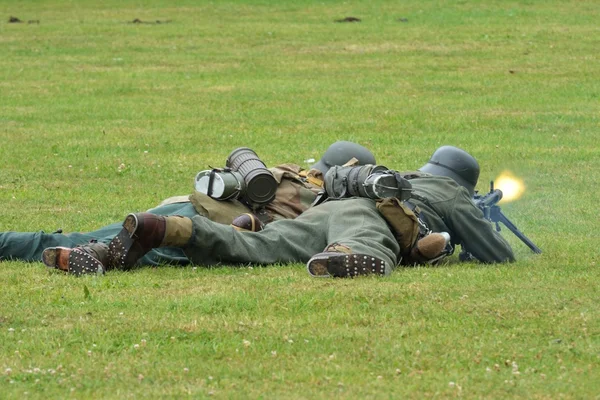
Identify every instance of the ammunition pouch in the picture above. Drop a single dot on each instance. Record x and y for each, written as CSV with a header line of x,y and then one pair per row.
x,y
409,225
403,221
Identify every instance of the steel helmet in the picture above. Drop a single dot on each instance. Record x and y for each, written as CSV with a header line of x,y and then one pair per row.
x,y
454,163
341,152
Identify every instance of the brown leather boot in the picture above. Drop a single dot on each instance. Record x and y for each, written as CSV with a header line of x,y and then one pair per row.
x,y
141,233
247,223
91,258
343,265
430,249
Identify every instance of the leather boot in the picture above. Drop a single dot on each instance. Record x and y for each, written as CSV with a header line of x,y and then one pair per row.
x,y
91,258
143,232
343,265
247,223
430,249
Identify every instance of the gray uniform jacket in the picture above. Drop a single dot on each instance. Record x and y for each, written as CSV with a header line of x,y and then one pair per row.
x,y
449,208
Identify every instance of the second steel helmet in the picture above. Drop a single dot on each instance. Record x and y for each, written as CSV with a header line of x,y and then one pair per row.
x,y
454,163
341,152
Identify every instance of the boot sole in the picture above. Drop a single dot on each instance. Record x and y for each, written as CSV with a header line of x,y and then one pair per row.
x,y
75,261
56,257
342,265
119,248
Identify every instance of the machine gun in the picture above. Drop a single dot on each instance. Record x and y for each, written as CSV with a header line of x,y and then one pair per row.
x,y
488,203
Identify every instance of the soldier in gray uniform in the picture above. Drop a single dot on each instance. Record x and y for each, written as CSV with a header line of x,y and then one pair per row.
x,y
342,237
449,208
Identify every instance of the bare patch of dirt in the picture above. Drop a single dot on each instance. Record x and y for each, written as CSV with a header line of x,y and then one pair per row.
x,y
348,19
158,21
15,20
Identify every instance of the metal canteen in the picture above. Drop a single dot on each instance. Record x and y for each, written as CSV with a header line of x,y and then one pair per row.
x,y
220,184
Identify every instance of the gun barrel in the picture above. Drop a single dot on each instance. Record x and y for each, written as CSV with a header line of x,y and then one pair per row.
x,y
489,199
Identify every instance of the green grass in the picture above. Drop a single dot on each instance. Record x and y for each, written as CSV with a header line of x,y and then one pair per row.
x,y
100,117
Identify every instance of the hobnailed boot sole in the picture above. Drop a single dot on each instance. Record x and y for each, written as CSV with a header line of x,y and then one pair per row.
x,y
341,265
73,261
120,247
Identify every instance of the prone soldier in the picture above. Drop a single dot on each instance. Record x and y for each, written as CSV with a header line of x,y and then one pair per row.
x,y
354,232
296,189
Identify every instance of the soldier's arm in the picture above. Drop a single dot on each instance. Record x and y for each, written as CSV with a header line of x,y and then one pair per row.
x,y
477,234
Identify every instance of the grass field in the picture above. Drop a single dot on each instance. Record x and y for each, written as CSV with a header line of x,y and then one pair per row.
x,y
100,116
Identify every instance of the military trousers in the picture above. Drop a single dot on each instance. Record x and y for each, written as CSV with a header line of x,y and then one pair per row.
x,y
353,224
28,246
